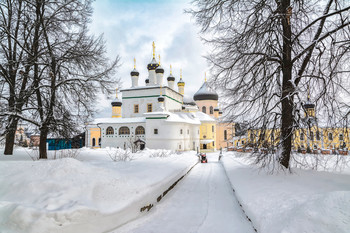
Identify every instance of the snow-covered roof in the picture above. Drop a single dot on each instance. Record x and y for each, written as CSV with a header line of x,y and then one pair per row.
x,y
118,120
188,100
206,141
185,117
205,93
204,117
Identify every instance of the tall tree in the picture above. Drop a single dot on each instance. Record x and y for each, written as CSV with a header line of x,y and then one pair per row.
x,y
17,41
266,53
66,67
73,68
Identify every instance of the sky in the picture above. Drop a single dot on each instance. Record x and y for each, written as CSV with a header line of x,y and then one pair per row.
x,y
129,28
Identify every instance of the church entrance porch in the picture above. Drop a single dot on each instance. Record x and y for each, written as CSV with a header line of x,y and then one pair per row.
x,y
140,144
207,145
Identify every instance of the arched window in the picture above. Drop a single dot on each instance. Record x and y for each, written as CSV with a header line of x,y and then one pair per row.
x,y
204,109
225,134
124,130
93,142
301,136
330,136
318,137
211,110
99,141
109,130
341,138
312,136
139,130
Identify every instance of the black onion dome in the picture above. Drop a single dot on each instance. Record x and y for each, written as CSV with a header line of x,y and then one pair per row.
x,y
134,72
309,105
153,65
159,69
205,93
161,99
147,81
180,81
116,103
171,78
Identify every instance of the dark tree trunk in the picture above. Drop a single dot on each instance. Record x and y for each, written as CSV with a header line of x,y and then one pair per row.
x,y
10,136
287,89
42,146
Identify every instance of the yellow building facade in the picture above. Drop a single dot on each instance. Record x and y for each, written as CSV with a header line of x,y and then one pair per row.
x,y
214,134
309,138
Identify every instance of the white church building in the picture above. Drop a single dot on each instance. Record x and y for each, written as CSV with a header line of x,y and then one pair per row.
x,y
157,116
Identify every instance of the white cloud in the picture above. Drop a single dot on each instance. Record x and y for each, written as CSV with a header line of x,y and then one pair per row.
x,y
129,27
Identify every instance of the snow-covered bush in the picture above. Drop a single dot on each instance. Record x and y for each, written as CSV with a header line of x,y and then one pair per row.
x,y
160,154
68,153
33,154
320,162
120,155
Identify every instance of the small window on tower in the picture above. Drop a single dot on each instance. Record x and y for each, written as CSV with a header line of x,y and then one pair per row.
x,y
204,109
155,131
212,128
318,137
149,107
211,110
180,131
136,108
330,136
341,138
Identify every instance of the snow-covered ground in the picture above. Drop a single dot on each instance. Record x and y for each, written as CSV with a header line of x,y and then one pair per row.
x,y
202,202
304,201
91,193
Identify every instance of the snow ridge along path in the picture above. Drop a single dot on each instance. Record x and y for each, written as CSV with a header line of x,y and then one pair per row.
x,y
202,202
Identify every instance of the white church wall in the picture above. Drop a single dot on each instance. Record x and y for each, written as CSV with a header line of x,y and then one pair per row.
x,y
144,96
169,135
117,140
173,100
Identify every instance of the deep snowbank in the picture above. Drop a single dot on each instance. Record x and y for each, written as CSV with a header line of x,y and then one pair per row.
x,y
88,194
305,201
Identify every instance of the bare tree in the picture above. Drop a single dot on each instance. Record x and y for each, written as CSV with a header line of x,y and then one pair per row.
x,y
74,68
265,55
67,68
18,40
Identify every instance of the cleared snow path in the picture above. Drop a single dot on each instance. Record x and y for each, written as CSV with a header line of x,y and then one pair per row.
x,y
202,202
